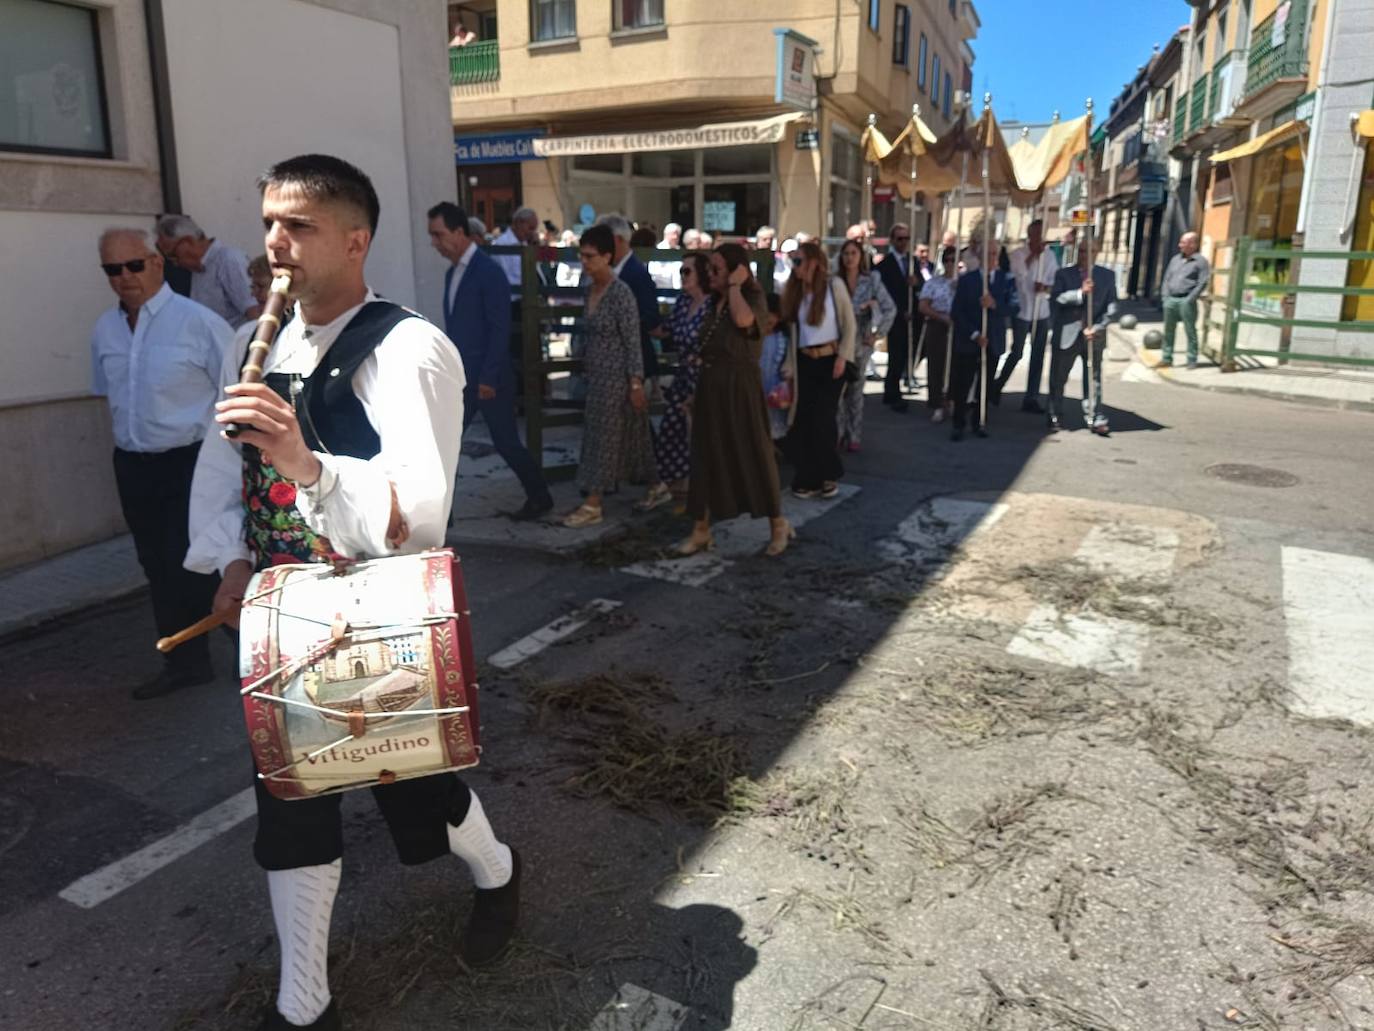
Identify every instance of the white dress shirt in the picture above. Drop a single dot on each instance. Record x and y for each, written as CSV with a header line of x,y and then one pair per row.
x,y
223,287
459,267
411,389
1028,271
161,377
510,263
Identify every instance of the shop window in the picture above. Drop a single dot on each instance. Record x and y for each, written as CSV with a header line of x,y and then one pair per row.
x,y
735,209
846,182
921,57
750,160
52,92
668,164
901,35
612,163
638,14
552,19
1272,216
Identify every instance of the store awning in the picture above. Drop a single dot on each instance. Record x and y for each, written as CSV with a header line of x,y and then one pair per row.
x,y
1278,134
723,134
1364,125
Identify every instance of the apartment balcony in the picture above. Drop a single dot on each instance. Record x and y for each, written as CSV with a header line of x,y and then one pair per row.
x,y
1276,72
474,63
1179,125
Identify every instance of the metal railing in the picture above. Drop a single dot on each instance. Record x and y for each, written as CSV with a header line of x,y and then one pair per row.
x,y
476,62
1247,252
1268,63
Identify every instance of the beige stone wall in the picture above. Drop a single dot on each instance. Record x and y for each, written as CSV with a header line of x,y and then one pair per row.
x,y
56,483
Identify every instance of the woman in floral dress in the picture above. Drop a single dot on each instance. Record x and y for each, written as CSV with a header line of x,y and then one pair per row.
x,y
673,444
617,443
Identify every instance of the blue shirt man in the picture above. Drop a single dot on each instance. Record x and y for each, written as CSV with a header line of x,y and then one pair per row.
x,y
477,317
156,357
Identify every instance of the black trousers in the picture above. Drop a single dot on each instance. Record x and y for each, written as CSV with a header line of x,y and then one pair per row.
x,y
309,831
898,347
811,444
1061,364
964,385
1020,331
499,415
936,342
155,496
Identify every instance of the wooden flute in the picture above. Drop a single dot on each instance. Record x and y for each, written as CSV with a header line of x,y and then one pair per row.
x,y
269,323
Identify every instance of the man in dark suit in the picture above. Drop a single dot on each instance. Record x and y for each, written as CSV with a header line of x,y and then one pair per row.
x,y
477,320
635,274
969,339
902,280
1075,335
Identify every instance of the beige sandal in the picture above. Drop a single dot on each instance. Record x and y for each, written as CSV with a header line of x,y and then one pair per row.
x,y
659,494
583,515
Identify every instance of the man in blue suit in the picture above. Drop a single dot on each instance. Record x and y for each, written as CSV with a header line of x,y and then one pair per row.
x,y
968,339
635,274
1074,335
477,320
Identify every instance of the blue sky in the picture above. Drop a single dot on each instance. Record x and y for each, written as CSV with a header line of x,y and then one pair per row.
x,y
1039,55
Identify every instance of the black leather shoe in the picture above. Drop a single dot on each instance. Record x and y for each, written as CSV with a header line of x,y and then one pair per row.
x,y
170,680
326,1021
995,395
1053,423
495,912
532,509
978,431
1033,407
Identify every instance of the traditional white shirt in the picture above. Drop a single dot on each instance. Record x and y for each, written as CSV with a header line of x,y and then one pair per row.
x,y
1028,271
939,291
161,378
459,267
510,263
411,389
223,287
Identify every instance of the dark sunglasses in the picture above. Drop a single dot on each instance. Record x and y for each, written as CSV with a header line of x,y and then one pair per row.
x,y
114,268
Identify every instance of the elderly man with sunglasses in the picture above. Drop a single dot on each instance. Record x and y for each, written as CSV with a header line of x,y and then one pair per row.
x,y
156,357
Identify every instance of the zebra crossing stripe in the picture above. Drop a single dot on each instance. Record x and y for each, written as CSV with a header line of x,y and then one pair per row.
x,y
1328,607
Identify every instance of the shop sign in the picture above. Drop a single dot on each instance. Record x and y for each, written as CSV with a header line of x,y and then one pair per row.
x,y
496,148
718,215
1306,106
1081,218
883,194
1151,194
795,84
725,134
808,139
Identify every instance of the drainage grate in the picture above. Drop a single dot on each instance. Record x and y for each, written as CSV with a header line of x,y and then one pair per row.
x,y
1251,475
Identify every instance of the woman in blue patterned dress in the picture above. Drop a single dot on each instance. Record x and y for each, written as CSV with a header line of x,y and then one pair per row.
x,y
673,445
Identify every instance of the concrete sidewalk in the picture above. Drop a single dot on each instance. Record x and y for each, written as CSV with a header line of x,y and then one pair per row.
x,y
1331,386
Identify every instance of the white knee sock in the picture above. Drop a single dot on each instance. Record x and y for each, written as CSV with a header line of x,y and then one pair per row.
x,y
302,903
476,845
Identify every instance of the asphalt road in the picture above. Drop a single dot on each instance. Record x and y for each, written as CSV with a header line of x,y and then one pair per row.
x,y
1018,736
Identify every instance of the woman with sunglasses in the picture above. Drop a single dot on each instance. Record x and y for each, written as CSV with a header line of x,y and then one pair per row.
x,y
818,309
732,452
673,444
874,313
937,299
617,442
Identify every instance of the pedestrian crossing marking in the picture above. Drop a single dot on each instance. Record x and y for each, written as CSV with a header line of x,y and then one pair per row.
x,y
1328,607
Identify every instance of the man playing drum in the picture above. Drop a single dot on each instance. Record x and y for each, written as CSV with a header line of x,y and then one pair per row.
x,y
379,483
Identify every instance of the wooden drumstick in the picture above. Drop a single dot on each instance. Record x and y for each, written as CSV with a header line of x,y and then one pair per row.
x,y
200,626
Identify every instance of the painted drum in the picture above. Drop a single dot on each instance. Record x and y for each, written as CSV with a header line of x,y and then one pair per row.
x,y
360,675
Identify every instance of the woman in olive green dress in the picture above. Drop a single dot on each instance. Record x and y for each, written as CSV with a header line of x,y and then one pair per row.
x,y
733,470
